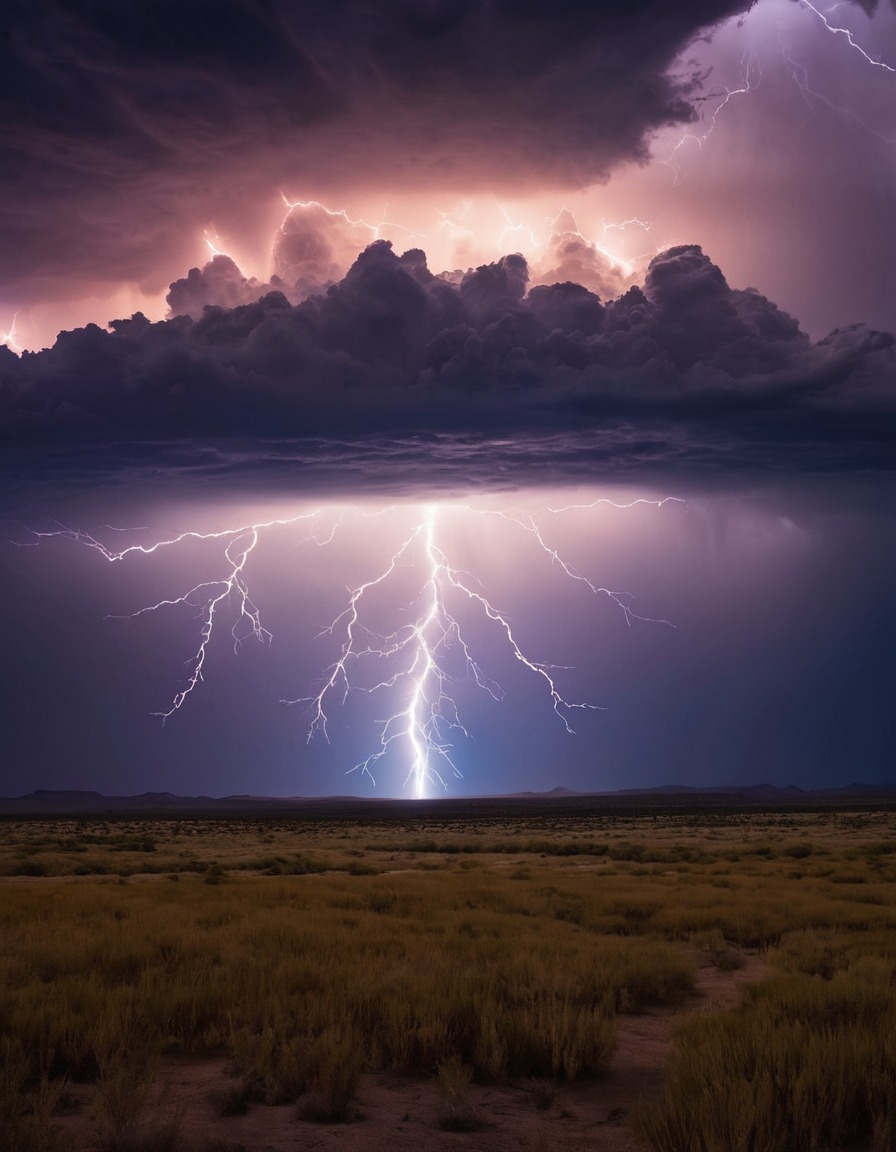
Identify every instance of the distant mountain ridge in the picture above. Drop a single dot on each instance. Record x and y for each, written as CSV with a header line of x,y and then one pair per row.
x,y
50,802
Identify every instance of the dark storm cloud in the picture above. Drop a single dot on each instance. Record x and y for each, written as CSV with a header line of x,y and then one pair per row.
x,y
129,123
682,374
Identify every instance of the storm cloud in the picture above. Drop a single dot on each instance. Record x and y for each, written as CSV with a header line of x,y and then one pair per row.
x,y
128,123
680,372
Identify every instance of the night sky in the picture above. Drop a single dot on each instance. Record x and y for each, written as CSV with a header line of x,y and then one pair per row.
x,y
562,329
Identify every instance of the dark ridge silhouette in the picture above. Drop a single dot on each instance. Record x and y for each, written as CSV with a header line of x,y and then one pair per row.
x,y
558,801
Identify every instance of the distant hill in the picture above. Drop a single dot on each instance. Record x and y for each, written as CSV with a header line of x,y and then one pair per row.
x,y
53,803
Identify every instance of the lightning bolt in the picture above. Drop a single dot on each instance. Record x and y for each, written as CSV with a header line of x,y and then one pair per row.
x,y
339,214
837,31
512,227
600,245
207,600
799,73
376,229
751,77
430,713
512,233
414,664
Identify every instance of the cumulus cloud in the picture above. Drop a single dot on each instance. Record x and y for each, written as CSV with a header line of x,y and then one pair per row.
x,y
129,123
570,256
220,284
682,371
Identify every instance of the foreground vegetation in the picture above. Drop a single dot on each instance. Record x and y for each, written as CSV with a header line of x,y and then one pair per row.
x,y
498,950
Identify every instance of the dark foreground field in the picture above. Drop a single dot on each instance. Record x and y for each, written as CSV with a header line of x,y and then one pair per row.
x,y
479,975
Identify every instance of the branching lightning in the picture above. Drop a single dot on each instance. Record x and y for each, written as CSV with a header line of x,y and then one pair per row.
x,y
751,78
837,31
207,599
509,232
799,73
412,664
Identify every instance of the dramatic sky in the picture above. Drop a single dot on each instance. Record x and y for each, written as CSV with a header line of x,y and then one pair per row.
x,y
571,321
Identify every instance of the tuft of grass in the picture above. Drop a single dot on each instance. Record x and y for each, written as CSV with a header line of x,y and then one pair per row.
x,y
124,1086
332,1097
274,1063
456,1111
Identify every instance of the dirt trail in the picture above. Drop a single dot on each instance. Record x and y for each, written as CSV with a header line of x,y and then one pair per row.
x,y
399,1113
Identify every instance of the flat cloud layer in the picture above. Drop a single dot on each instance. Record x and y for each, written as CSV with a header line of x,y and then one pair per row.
x,y
683,373
130,124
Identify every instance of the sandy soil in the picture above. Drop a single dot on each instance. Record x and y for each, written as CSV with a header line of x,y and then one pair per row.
x,y
400,1113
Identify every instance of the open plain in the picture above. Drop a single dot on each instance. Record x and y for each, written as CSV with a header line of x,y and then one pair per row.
x,y
675,977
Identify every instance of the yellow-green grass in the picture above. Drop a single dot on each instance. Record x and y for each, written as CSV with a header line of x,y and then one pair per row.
x,y
310,952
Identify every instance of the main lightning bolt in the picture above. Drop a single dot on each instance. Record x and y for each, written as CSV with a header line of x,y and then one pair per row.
x,y
414,664
429,712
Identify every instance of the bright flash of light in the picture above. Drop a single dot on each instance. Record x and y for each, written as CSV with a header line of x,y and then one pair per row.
x,y
413,662
9,338
213,242
338,213
473,231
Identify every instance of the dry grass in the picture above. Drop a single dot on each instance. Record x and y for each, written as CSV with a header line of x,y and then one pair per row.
x,y
798,1066
25,1107
505,950
456,1110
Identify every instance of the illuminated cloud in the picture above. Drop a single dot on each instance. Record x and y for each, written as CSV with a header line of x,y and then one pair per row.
x,y
130,125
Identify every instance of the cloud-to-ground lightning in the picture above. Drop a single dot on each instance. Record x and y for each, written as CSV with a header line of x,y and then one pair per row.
x,y
413,661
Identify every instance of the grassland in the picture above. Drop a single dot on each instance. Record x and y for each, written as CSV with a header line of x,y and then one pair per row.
x,y
497,949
